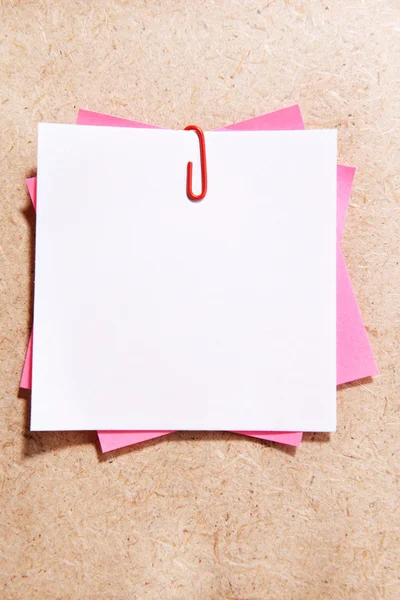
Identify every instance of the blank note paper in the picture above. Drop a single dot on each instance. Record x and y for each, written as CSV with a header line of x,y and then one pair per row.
x,y
214,315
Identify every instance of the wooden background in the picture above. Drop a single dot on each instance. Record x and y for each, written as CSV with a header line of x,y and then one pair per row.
x,y
206,516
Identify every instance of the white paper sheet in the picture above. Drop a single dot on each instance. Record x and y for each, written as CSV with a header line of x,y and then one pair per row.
x,y
169,314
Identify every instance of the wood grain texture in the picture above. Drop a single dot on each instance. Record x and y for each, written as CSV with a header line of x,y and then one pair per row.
x,y
206,516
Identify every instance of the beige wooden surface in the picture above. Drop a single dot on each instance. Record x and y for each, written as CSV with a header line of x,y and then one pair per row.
x,y
206,516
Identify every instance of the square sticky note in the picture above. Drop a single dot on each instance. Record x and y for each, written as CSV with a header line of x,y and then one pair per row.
x,y
211,312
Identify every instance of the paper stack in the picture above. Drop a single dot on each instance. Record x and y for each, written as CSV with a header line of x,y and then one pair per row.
x,y
154,313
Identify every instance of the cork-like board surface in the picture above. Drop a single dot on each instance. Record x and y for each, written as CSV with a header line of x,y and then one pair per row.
x,y
206,516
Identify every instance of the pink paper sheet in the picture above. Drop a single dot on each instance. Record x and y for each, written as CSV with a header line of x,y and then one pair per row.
x,y
354,355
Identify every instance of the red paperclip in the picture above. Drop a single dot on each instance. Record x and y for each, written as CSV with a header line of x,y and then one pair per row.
x,y
203,162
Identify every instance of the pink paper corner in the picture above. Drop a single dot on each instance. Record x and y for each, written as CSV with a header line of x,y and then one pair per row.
x,y
26,377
